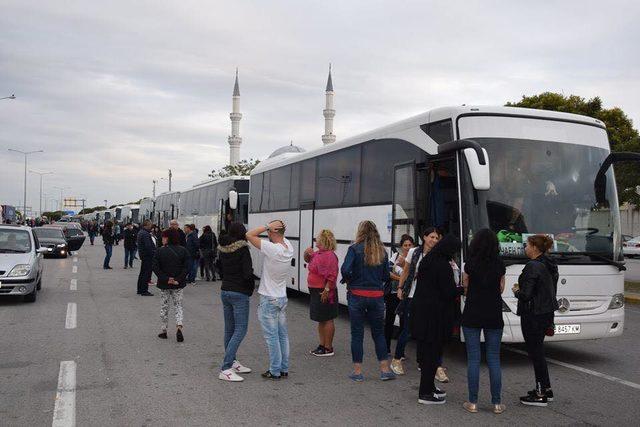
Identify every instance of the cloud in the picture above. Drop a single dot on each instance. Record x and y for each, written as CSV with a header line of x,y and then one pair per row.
x,y
116,93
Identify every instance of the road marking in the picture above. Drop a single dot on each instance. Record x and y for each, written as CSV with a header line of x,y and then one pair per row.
x,y
75,269
583,370
74,285
64,411
71,316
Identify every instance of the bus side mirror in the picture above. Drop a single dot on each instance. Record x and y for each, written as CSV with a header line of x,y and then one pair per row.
x,y
233,199
480,174
600,183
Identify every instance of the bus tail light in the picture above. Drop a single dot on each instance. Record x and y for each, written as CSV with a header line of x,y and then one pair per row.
x,y
505,307
617,301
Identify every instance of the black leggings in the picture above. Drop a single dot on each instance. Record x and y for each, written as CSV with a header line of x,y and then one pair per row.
x,y
429,354
533,331
391,302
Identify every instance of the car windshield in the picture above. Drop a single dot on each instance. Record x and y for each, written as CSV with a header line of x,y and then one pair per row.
x,y
542,187
14,241
48,233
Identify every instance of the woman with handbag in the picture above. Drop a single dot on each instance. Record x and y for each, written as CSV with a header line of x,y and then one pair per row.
x,y
323,273
170,264
237,288
536,293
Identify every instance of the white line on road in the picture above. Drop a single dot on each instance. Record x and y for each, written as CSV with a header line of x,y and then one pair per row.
x,y
71,316
583,370
75,269
64,411
74,285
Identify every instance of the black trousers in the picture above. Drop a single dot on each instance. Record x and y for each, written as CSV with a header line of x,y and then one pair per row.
x,y
533,331
429,354
145,275
391,302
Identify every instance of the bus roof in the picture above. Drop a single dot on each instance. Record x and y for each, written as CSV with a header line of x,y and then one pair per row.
x,y
409,130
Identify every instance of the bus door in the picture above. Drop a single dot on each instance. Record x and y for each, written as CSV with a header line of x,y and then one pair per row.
x,y
440,195
306,234
403,208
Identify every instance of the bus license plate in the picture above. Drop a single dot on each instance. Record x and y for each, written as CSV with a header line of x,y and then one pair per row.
x,y
567,329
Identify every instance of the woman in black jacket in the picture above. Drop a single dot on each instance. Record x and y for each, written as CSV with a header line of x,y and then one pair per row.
x,y
171,264
108,239
432,314
237,287
536,293
208,249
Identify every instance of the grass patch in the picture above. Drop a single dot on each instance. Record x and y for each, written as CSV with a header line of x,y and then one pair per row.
x,y
632,286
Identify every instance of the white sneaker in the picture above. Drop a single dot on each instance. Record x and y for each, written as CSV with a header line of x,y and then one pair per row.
x,y
230,375
239,368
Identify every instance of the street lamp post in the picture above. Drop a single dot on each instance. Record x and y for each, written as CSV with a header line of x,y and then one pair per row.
x,y
155,181
25,153
61,200
41,175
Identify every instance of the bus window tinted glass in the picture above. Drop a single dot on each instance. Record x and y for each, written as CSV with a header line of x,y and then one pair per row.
x,y
378,161
339,178
266,182
279,188
294,195
256,192
440,132
308,180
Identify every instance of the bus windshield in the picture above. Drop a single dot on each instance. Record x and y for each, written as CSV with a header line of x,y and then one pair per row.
x,y
542,187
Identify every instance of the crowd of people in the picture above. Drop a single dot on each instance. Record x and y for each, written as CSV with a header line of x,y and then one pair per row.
x,y
419,285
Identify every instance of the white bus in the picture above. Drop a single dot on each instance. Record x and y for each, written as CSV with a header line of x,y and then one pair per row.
x,y
146,211
516,171
208,203
166,208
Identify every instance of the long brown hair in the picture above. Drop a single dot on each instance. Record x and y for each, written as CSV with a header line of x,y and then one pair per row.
x,y
373,248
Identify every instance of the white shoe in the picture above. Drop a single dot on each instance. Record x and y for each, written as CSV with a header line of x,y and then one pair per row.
x,y
239,368
230,375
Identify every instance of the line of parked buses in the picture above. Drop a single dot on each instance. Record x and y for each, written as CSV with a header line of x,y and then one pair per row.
x,y
515,171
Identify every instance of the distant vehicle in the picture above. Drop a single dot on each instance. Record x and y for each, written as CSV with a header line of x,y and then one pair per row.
x,y
631,247
76,225
75,236
20,262
53,239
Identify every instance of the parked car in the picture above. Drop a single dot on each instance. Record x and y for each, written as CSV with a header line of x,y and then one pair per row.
x,y
52,238
20,262
75,236
631,247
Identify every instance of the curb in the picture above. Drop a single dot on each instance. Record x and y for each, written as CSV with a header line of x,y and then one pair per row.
x,y
632,298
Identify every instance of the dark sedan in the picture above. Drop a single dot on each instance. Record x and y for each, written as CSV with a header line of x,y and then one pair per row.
x,y
53,239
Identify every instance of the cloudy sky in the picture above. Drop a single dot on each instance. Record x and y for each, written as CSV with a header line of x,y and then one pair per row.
x,y
117,92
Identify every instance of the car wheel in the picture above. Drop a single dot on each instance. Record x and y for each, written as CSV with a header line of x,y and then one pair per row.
x,y
32,296
39,285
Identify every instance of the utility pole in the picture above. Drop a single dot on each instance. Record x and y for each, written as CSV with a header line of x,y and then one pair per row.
x,y
41,175
25,153
170,175
154,188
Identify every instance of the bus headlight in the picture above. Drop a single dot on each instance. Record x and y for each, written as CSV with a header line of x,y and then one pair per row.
x,y
505,307
617,301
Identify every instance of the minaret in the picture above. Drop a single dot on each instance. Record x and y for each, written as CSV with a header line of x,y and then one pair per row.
x,y
234,139
328,112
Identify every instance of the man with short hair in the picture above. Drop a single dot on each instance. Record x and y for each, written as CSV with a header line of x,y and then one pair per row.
x,y
193,247
146,250
129,245
276,272
183,238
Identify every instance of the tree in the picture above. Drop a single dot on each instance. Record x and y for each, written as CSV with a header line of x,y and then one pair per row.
x,y
243,168
622,135
53,216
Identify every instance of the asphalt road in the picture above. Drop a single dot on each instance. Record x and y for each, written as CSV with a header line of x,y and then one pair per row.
x,y
126,376
633,269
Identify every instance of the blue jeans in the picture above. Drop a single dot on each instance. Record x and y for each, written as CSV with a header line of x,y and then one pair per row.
x,y
236,319
403,338
492,338
273,319
363,309
108,249
193,270
129,255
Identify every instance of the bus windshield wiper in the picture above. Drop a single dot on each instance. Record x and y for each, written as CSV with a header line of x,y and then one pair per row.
x,y
568,255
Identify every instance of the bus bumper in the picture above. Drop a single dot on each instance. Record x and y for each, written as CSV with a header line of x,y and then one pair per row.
x,y
605,325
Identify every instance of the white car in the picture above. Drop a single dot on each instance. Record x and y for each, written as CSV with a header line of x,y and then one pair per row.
x,y
20,262
631,248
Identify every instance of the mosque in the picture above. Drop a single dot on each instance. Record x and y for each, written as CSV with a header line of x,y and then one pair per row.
x,y
235,140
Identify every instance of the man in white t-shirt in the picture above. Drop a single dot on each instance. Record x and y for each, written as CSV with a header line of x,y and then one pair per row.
x,y
276,264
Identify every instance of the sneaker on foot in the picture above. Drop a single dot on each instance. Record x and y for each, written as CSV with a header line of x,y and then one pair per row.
x,y
356,377
239,368
499,408
163,335
534,400
386,376
270,376
548,393
441,375
179,336
470,407
440,393
230,375
431,400
396,367
322,351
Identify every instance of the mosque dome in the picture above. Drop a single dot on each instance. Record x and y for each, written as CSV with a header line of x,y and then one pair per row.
x,y
287,149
